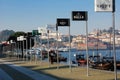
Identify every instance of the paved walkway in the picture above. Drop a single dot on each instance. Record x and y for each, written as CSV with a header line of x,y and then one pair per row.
x,y
34,75
4,75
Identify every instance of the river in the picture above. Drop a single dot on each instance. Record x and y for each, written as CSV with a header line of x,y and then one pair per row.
x,y
106,53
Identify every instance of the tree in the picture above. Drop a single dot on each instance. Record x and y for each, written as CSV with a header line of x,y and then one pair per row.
x,y
110,30
15,35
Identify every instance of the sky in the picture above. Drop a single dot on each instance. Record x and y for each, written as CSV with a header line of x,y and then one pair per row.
x,y
27,15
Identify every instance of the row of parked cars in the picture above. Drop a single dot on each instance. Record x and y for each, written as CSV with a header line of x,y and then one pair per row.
x,y
32,52
38,52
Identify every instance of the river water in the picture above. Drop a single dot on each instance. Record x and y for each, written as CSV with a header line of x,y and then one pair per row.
x,y
105,53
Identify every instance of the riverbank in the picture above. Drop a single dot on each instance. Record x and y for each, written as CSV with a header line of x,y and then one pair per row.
x,y
63,72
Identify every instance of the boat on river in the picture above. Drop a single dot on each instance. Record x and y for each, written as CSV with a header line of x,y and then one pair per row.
x,y
63,49
53,57
80,60
105,63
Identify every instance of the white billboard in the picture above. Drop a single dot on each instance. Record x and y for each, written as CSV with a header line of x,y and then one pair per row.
x,y
42,30
21,38
18,38
104,5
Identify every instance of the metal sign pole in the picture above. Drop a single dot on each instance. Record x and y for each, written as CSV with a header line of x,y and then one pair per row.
x,y
82,16
35,46
48,50
30,51
110,7
57,47
26,49
70,52
115,71
113,24
41,48
18,50
87,48
63,22
23,49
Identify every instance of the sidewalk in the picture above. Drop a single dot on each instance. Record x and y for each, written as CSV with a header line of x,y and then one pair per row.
x,y
34,75
4,75
52,73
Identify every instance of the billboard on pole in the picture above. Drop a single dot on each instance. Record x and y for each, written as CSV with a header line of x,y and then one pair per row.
x,y
63,22
79,16
105,5
42,30
18,38
35,32
21,38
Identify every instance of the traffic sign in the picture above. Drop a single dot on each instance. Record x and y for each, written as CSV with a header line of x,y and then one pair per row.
x,y
35,32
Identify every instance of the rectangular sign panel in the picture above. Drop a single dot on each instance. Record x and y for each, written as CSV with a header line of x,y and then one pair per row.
x,y
21,38
105,5
63,22
35,32
79,15
42,30
18,38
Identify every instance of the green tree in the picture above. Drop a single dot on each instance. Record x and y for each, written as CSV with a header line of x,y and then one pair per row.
x,y
17,34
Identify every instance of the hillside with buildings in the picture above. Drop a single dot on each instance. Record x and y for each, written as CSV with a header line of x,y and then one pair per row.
x,y
97,39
